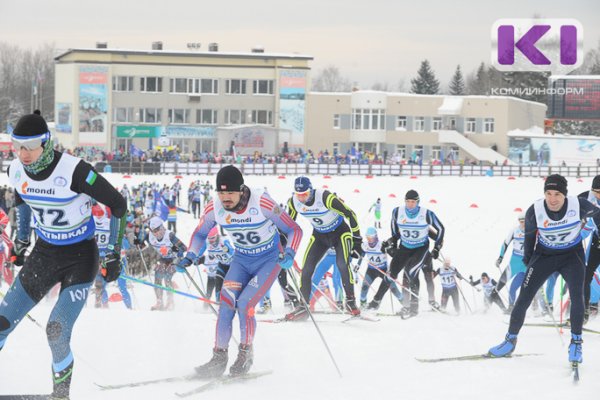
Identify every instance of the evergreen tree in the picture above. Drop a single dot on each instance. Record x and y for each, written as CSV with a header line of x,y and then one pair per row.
x,y
457,84
479,83
425,82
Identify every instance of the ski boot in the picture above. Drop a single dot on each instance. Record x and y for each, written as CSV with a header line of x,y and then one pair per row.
x,y
351,307
434,304
243,362
300,313
339,305
158,306
374,304
266,306
505,348
62,383
216,366
575,351
363,304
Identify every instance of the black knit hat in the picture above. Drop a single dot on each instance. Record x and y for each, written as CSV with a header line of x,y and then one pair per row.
x,y
31,125
411,195
596,183
229,179
556,182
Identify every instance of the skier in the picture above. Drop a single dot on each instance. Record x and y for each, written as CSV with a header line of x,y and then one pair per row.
x,y
58,188
593,255
326,213
252,219
448,274
516,267
490,294
6,267
553,243
377,212
321,273
219,253
377,266
409,247
102,235
169,249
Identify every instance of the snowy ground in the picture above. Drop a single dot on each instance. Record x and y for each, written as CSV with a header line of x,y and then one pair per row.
x,y
376,359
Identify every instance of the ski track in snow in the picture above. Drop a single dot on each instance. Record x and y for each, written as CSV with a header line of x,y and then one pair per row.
x,y
376,359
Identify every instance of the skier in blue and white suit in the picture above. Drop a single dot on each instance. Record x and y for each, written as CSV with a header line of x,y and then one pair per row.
x,y
409,247
59,189
377,266
252,220
553,242
517,267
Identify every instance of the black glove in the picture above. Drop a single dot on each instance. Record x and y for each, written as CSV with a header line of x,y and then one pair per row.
x,y
136,241
185,262
111,266
435,253
389,246
199,260
18,252
498,262
357,250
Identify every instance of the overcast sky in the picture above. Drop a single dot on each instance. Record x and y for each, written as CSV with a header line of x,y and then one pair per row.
x,y
370,41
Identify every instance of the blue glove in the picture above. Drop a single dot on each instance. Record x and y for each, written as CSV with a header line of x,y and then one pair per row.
x,y
185,262
286,259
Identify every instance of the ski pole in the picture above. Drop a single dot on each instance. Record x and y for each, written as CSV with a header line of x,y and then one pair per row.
x,y
167,289
558,328
306,306
464,298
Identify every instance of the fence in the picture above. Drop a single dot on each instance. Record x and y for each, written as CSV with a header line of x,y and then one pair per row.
x,y
173,168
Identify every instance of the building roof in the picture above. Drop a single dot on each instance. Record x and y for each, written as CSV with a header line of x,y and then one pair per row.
x,y
197,54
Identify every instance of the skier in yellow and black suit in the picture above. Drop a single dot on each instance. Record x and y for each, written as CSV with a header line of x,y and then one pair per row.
x,y
326,213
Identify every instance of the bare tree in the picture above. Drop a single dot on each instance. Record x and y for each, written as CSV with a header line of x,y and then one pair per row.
x,y
330,79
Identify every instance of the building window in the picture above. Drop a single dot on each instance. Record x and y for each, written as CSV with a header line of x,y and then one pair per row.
x,y
206,117
368,119
122,83
150,115
179,116
122,114
235,86
401,123
454,153
488,125
179,85
436,152
401,150
262,86
336,148
336,121
151,84
419,124
437,124
209,86
470,125
262,117
235,117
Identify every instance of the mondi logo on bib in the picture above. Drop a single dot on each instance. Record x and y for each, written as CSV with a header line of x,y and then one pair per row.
x,y
554,45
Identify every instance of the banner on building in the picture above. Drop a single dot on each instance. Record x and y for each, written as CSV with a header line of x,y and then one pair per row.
x,y
93,99
292,105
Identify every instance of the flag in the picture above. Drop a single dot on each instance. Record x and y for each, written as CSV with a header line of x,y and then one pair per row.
x,y
135,151
160,207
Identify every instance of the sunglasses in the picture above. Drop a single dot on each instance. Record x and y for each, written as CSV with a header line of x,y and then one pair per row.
x,y
29,142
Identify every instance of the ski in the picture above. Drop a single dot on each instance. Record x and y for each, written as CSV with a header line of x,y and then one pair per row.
x,y
473,357
575,371
25,397
223,380
563,325
361,317
188,377
273,321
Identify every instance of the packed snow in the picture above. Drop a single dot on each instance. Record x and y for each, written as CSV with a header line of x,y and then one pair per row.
x,y
376,359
